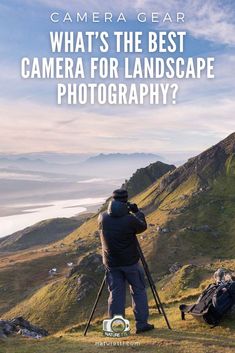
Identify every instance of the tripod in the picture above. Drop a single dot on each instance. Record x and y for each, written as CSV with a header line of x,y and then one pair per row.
x,y
152,286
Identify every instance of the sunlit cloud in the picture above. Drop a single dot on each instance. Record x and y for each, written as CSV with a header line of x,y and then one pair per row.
x,y
31,121
30,127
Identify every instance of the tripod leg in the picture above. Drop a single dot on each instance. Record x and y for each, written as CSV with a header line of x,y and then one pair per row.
x,y
95,305
163,310
153,291
152,286
157,299
151,283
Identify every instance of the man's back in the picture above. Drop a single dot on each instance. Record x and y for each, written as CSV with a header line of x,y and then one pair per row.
x,y
118,234
119,226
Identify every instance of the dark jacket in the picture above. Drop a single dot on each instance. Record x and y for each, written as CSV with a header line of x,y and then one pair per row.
x,y
118,234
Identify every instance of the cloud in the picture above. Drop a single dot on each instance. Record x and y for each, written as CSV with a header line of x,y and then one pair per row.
x,y
212,20
29,127
204,115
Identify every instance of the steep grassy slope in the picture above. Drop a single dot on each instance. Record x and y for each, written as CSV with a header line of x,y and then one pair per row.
x,y
194,206
60,301
25,272
44,232
23,275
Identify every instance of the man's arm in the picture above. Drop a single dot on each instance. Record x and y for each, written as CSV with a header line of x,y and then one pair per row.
x,y
139,222
100,219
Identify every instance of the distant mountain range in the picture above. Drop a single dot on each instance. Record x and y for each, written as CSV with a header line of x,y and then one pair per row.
x,y
102,165
117,163
49,157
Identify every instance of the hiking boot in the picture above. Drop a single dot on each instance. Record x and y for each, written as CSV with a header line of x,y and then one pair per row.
x,y
147,327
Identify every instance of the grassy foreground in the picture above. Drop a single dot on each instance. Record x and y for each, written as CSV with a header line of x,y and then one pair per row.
x,y
186,337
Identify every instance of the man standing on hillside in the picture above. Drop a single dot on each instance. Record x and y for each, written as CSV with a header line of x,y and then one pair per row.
x,y
119,226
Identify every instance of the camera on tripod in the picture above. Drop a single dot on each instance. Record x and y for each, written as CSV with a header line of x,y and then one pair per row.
x,y
132,207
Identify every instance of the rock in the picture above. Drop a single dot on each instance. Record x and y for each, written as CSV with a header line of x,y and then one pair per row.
x,y
81,249
203,228
7,327
27,333
52,272
2,334
85,286
96,234
175,267
184,197
20,326
165,230
91,262
22,323
73,270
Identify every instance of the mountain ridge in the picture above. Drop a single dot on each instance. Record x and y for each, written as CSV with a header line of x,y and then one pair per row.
x,y
144,177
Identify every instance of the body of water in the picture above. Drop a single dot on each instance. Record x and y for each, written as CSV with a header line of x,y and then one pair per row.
x,y
33,213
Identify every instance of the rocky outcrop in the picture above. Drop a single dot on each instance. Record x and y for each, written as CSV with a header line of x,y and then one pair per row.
x,y
175,267
86,284
144,177
19,325
91,262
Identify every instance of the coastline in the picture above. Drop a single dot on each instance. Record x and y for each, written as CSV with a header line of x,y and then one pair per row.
x,y
36,213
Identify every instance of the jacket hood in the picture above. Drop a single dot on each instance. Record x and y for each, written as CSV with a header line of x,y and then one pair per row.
x,y
117,208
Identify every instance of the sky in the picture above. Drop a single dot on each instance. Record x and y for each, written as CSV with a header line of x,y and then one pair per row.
x,y
31,120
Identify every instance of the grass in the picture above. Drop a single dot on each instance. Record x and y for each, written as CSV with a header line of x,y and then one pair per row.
x,y
54,306
186,336
42,233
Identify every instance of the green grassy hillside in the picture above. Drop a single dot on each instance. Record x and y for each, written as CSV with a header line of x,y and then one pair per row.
x,y
44,232
59,302
190,212
186,336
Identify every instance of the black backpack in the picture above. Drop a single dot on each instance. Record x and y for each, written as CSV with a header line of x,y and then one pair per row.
x,y
212,304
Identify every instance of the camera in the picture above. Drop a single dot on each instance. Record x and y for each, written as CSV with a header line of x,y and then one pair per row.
x,y
116,327
132,207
